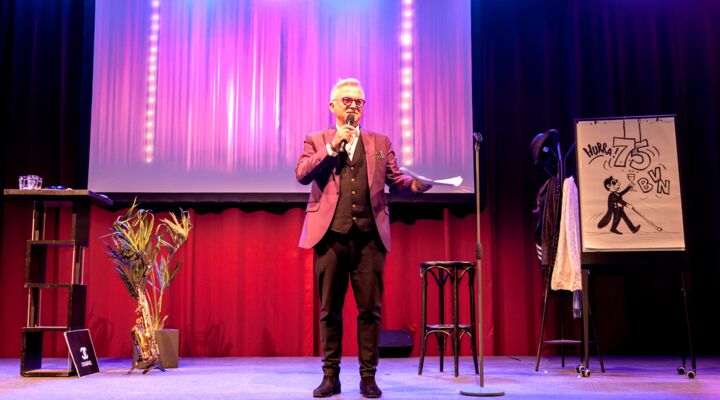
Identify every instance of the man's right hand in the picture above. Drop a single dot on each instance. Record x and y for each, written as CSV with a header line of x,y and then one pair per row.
x,y
419,186
345,134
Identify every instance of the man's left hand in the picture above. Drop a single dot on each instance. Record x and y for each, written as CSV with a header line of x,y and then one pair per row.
x,y
419,186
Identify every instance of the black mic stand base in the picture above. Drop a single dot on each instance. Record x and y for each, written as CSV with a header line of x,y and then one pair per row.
x,y
482,391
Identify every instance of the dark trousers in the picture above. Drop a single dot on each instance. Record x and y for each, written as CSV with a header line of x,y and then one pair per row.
x,y
357,257
620,214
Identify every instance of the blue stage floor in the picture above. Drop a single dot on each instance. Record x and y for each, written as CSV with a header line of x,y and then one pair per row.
x,y
295,377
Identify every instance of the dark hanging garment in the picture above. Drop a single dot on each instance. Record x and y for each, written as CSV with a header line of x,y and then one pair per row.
x,y
546,230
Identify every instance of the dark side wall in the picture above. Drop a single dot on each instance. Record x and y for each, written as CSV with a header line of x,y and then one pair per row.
x,y
47,51
542,64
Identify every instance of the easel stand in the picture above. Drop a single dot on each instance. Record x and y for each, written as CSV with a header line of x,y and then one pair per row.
x,y
645,261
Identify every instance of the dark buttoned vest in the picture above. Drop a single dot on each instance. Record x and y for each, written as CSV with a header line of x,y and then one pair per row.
x,y
353,206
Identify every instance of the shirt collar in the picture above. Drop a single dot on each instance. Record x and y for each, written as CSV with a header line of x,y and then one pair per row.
x,y
355,135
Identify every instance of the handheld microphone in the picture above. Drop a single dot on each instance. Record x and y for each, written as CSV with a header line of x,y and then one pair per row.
x,y
349,120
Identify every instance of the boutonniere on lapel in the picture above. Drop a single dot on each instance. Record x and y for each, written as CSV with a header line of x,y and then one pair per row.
x,y
379,155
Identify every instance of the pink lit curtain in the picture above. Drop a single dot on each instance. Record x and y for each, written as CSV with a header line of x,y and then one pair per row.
x,y
240,84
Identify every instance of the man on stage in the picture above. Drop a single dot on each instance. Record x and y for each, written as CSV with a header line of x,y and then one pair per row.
x,y
347,224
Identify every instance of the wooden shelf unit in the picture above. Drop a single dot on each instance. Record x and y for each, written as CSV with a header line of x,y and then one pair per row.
x,y
44,202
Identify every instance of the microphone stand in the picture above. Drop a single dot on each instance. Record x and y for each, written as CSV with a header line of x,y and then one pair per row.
x,y
481,390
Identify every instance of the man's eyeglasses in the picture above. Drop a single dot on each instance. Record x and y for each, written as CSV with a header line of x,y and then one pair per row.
x,y
347,102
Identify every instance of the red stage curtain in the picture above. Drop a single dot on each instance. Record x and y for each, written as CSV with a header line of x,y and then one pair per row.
x,y
246,289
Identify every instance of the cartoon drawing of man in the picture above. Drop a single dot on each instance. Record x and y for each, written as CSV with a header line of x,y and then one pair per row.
x,y
616,207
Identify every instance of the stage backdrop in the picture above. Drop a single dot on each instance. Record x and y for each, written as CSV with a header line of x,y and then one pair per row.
x,y
217,96
539,64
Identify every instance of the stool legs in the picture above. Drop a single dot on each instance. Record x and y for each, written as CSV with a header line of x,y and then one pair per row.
x,y
456,321
423,323
452,331
474,339
441,314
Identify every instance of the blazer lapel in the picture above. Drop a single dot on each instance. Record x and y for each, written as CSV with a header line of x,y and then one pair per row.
x,y
369,143
327,138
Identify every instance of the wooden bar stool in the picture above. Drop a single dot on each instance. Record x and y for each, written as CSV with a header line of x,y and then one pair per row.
x,y
441,272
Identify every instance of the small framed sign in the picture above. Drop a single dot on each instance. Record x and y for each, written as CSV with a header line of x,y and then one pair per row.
x,y
82,351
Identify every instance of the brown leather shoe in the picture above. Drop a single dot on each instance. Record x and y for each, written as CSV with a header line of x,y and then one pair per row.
x,y
368,387
329,386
